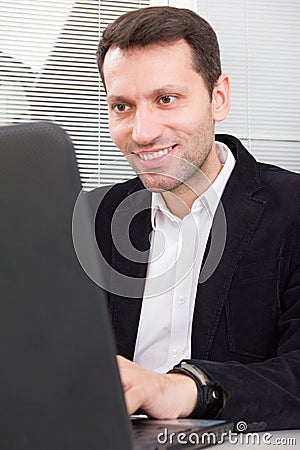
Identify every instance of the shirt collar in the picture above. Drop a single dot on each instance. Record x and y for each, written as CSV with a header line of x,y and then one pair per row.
x,y
213,194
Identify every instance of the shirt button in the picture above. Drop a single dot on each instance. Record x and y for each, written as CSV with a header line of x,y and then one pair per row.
x,y
181,300
174,353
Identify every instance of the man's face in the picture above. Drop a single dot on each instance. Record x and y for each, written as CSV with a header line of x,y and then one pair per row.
x,y
159,107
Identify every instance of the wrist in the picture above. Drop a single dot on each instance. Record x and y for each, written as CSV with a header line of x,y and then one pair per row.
x,y
186,393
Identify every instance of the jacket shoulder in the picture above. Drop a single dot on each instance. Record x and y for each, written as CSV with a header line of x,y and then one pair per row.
x,y
284,180
108,197
121,190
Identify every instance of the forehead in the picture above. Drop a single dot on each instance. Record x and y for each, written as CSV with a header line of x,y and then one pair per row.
x,y
165,63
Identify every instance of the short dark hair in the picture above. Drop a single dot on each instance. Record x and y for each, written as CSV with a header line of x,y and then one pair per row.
x,y
161,25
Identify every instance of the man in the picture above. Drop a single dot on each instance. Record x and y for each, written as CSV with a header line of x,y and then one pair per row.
x,y
217,292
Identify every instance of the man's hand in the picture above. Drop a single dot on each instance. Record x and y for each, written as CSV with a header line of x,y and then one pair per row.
x,y
162,396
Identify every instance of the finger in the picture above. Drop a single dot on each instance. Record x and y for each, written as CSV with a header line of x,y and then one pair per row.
x,y
133,399
129,372
121,360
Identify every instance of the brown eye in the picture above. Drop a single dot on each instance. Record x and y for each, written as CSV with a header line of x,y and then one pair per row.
x,y
120,107
167,99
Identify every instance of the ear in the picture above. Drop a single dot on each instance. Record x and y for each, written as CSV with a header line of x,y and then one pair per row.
x,y
221,98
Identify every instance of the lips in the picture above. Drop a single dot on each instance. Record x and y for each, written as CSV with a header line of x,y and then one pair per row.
x,y
146,156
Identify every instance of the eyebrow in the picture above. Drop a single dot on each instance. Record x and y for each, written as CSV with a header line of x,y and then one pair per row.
x,y
116,98
167,89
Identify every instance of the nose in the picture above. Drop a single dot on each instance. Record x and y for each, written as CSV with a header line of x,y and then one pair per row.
x,y
147,127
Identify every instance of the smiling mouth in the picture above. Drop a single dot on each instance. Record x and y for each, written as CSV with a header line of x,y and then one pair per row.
x,y
146,156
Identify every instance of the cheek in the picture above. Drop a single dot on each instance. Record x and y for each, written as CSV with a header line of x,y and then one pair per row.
x,y
186,128
198,126
118,133
190,121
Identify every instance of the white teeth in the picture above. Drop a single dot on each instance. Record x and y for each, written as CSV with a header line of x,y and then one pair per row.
x,y
147,156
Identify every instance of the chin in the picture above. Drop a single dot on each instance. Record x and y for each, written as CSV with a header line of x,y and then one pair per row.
x,y
159,183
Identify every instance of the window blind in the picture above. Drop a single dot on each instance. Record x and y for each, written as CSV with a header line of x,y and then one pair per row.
x,y
260,44
48,71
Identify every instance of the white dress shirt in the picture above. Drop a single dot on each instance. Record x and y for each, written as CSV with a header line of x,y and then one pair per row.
x,y
176,253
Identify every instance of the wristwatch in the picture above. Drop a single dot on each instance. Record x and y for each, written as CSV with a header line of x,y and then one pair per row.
x,y
210,394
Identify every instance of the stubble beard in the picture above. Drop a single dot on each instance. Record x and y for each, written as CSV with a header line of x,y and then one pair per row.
x,y
179,173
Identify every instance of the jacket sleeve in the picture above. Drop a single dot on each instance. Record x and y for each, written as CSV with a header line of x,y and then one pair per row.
x,y
268,392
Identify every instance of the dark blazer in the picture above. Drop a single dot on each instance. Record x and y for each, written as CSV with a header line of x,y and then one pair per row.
x,y
246,325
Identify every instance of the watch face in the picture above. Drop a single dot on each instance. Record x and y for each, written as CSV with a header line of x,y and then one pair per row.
x,y
215,394
214,400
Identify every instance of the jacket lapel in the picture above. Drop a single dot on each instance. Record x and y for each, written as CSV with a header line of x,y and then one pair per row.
x,y
242,212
